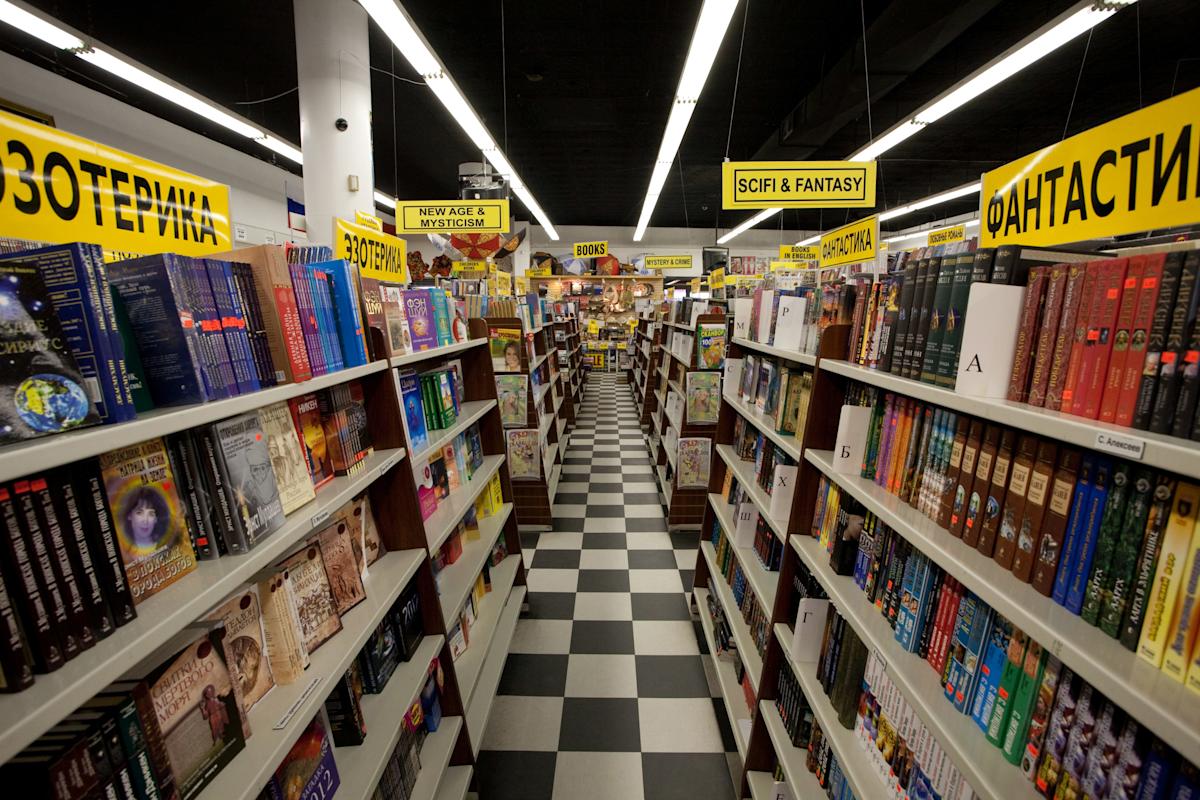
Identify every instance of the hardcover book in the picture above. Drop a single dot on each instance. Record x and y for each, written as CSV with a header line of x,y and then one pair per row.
x,y
308,771
309,588
422,325
341,566
512,393
245,644
524,454
44,390
148,517
252,489
306,420
396,330
292,476
703,397
414,410
283,639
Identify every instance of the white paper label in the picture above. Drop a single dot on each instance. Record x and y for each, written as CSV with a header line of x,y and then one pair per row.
x,y
321,516
851,439
1124,446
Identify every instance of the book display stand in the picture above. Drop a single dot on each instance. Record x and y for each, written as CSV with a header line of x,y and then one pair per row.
x,y
647,354
568,387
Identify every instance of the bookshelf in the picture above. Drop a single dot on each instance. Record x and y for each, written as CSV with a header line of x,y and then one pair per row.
x,y
567,384
647,355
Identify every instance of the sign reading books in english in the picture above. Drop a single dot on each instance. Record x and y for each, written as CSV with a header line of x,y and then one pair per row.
x,y
851,244
452,216
589,249
1135,173
59,187
794,252
798,184
377,255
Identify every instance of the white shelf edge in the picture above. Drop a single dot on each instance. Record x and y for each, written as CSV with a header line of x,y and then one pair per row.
x,y
435,759
480,710
807,359
31,713
790,444
455,783
1151,696
765,582
244,776
864,780
731,690
743,470
455,581
1177,455
435,352
46,452
742,634
469,664
762,786
450,511
802,782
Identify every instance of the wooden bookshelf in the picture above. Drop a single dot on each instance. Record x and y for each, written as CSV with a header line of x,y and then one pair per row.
x,y
644,375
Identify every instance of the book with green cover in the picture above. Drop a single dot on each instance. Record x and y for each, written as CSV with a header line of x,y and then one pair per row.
x,y
1148,497
937,320
1021,702
1010,678
1106,542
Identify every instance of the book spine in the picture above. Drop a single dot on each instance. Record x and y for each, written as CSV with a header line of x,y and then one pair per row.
x,y
16,660
307,319
101,532
1004,270
960,292
921,319
20,576
1100,341
1014,503
1067,322
1156,341
255,325
346,314
235,325
42,560
1054,527
285,333
70,583
894,357
208,325
1164,589
1131,297
81,553
1170,371
1088,534
1036,498
1143,323
94,256
1047,335
331,348
1106,542
189,481
217,474
1148,513
936,334
1181,636
1018,381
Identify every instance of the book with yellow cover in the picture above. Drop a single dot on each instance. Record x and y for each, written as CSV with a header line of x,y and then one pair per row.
x,y
1169,573
1181,644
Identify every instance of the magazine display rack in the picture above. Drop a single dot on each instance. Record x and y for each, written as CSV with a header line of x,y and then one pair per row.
x,y
387,475
647,355
534,496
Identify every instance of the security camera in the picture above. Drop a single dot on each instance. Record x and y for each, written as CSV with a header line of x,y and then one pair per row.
x,y
341,124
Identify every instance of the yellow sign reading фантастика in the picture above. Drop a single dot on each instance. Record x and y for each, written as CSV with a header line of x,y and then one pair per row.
x,y
798,184
851,244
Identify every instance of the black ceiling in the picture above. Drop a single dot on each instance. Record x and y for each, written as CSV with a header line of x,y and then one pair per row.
x,y
589,87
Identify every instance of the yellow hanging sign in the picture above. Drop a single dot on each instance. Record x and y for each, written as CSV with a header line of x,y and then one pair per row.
x,y
520,284
794,252
538,272
716,279
590,249
452,216
377,255
668,262
593,327
468,265
368,220
798,184
851,244
695,285
57,187
1136,173
955,233
778,265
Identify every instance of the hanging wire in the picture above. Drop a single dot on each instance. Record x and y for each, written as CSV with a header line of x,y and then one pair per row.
x,y
683,191
737,76
266,99
397,77
1078,80
1138,17
862,16
395,153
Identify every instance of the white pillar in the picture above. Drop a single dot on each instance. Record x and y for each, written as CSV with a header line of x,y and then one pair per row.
x,y
333,67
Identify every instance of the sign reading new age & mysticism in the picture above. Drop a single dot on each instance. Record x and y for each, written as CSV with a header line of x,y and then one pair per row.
x,y
590,249
850,244
57,187
668,262
377,255
1136,173
955,233
794,252
798,184
451,216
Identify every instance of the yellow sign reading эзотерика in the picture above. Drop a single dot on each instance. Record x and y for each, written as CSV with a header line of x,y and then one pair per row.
x,y
798,184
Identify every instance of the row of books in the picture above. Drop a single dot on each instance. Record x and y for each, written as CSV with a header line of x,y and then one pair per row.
x,y
730,569
806,733
459,637
1114,340
727,652
773,467
787,318
1104,538
751,528
431,400
777,391
989,669
413,319
466,529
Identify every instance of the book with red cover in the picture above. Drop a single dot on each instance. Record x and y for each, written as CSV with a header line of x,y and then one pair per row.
x,y
1047,333
1143,320
1087,304
1067,322
1156,340
1018,382
1089,386
1131,297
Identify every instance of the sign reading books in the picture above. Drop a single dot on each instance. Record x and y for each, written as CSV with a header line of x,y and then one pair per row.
x,y
955,233
794,252
798,184
589,249
452,216
850,244
59,187
376,255
1135,173
668,262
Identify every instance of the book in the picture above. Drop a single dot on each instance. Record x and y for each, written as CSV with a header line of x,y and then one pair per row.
x,y
1023,703
1185,619
1048,333
308,771
306,420
1088,533
1106,543
512,393
245,644
422,323
1014,500
1170,370
1138,415
1149,506
1018,384
694,457
396,332
283,638
292,476
308,584
1168,575
44,389
342,571
703,397
1054,526
343,290
1036,499
710,342
231,318
148,517
246,462
505,346
524,454
1102,325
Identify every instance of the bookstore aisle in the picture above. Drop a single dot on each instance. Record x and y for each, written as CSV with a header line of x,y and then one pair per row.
x,y
608,691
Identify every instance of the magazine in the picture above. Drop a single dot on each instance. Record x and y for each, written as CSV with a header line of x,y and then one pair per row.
x,y
703,397
512,393
694,455
712,345
505,347
524,455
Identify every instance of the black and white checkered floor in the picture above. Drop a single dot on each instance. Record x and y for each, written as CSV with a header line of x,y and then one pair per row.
x,y
608,691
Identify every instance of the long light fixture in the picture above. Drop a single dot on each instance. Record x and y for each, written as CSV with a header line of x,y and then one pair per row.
x,y
748,224
706,40
398,26
383,200
53,33
1077,20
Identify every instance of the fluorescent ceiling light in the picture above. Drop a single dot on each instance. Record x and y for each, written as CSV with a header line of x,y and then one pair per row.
x,y
38,27
816,237
383,200
932,200
1078,19
706,41
285,149
748,224
397,26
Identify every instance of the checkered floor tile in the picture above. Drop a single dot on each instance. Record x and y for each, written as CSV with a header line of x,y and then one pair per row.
x,y
608,691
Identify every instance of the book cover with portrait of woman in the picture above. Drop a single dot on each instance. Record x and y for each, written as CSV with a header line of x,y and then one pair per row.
x,y
148,516
505,346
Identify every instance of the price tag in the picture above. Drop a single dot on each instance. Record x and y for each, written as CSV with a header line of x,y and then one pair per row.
x,y
1124,446
882,661
321,516
1056,647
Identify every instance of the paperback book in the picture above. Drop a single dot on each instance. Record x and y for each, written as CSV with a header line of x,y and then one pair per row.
x,y
694,456
309,588
512,393
287,459
245,645
250,478
703,397
524,455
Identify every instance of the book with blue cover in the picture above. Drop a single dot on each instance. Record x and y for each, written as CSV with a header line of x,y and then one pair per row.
x,y
1090,531
991,670
76,293
346,313
233,324
308,318
214,355
414,410
971,630
326,333
164,326
443,316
